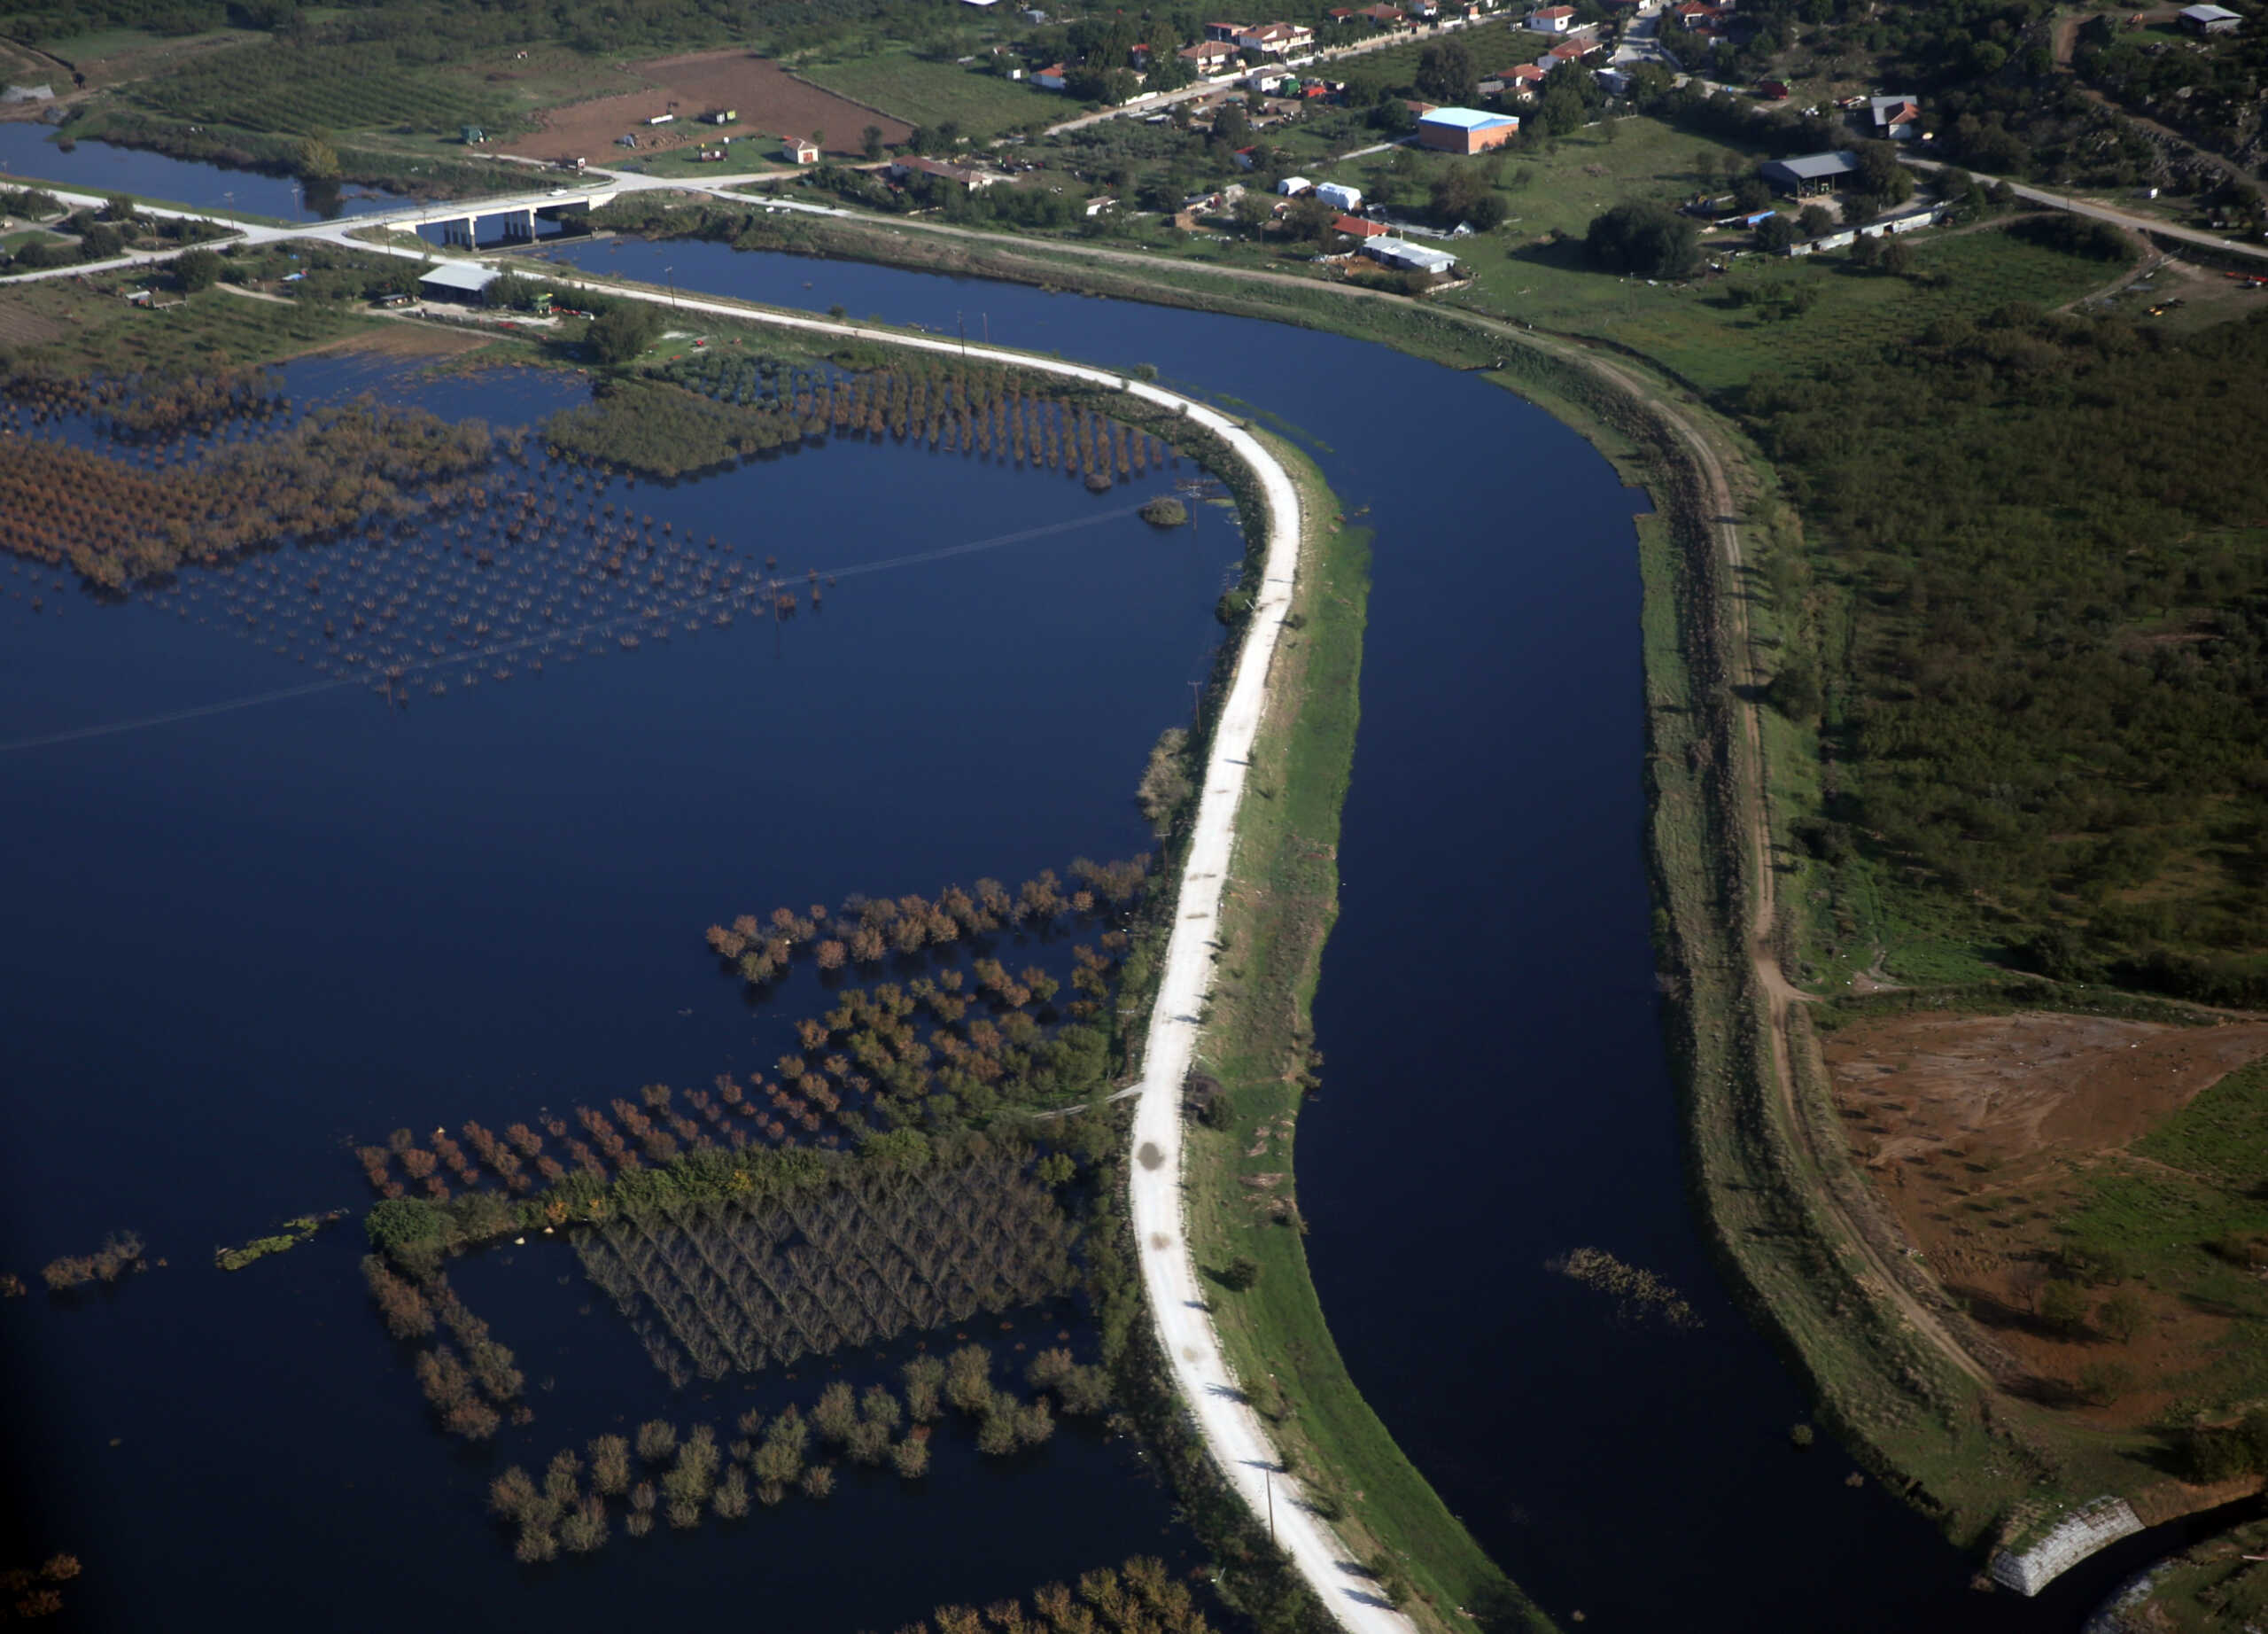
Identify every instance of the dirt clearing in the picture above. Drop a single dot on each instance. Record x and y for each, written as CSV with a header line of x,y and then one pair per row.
x,y
1980,1133
771,104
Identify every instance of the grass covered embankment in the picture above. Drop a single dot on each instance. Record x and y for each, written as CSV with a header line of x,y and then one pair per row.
x,y
1276,912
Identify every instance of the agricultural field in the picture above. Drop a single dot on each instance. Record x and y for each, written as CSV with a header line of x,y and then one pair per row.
x,y
922,92
338,87
771,102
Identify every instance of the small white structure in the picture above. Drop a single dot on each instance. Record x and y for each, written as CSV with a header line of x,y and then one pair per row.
x,y
1404,256
1551,19
1338,197
1292,186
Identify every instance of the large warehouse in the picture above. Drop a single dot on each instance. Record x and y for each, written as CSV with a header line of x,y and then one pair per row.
x,y
1465,130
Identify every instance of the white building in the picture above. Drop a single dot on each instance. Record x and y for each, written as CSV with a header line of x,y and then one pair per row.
x,y
1347,198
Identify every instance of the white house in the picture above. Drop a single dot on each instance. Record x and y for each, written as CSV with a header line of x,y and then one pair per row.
x,y
1552,20
1277,39
1208,56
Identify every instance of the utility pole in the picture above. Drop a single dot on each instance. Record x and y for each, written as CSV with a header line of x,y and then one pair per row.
x,y
670,273
1269,1477
961,324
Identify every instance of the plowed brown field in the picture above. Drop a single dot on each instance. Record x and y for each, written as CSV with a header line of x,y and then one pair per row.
x,y
771,104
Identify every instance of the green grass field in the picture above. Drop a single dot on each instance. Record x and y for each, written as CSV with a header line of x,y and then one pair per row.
x,y
932,93
1534,268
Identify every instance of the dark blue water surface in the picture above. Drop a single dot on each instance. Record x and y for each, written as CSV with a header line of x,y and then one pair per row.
x,y
241,941
29,151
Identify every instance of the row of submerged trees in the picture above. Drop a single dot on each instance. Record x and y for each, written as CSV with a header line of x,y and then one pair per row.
x,y
868,928
336,468
471,1385
952,405
139,407
684,1478
713,1287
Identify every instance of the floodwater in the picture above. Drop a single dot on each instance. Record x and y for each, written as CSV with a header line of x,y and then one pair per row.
x,y
244,941
29,151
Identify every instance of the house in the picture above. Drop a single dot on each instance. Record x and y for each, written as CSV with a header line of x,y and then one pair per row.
x,y
1552,20
1695,14
1404,256
1268,81
1384,16
1051,77
472,136
1423,10
2209,20
1342,198
1566,52
799,151
462,282
1226,33
1895,119
1210,58
1292,186
1519,81
1277,39
1813,173
1465,130
1355,227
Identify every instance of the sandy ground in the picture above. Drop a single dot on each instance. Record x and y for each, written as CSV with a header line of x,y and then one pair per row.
x,y
1978,1132
771,104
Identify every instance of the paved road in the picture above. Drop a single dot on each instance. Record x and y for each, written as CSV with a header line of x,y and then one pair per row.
x,y
2105,213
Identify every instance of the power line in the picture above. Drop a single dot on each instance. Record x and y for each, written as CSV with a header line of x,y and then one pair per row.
x,y
480,655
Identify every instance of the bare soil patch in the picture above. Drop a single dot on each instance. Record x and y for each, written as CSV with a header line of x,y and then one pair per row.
x,y
23,324
1979,1132
771,103
401,338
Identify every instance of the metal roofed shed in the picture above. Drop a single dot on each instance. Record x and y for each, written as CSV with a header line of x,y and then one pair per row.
x,y
1813,173
1465,130
2210,18
1404,256
457,281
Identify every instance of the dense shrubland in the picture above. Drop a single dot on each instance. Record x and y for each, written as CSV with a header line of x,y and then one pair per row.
x,y
2049,705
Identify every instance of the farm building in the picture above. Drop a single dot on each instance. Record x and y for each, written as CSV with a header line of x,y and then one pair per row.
x,y
1404,256
1465,130
1895,119
462,282
1813,173
799,151
1355,227
1292,186
2209,20
1340,197
900,168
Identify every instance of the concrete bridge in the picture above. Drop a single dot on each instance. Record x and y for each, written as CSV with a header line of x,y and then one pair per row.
x,y
458,219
